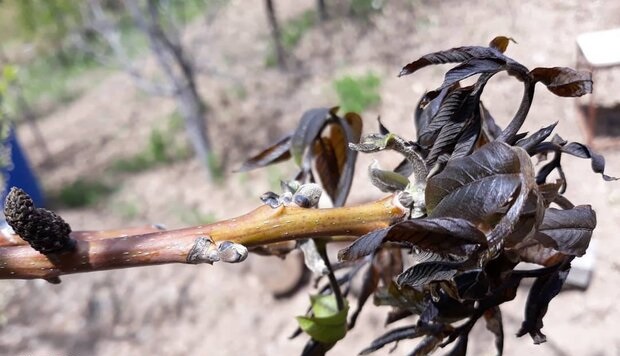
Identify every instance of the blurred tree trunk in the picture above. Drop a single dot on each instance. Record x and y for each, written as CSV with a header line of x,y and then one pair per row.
x,y
322,10
276,34
179,72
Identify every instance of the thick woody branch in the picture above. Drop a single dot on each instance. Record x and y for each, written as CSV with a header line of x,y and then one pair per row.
x,y
264,225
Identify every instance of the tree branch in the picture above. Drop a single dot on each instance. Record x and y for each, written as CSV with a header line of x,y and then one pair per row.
x,y
264,225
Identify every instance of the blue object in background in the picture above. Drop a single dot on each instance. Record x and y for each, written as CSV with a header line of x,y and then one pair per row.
x,y
19,174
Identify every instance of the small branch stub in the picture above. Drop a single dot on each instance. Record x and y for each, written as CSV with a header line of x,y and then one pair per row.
x,y
45,231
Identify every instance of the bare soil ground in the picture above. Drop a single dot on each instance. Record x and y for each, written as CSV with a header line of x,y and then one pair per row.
x,y
227,310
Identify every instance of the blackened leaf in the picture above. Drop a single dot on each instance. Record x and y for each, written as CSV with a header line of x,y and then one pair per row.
x,y
489,126
525,211
427,345
389,263
500,43
382,129
312,122
460,348
404,168
369,284
407,332
535,252
550,193
397,314
386,264
440,234
567,231
426,111
466,142
472,284
451,110
476,186
426,272
563,81
530,142
543,290
493,317
472,67
531,214
404,297
280,151
454,55
445,142
316,348
583,151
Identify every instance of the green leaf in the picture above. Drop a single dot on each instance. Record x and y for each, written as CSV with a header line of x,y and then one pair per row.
x,y
327,324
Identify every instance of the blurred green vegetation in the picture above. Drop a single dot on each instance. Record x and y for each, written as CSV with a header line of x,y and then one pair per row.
x,y
126,209
358,93
163,147
81,193
365,8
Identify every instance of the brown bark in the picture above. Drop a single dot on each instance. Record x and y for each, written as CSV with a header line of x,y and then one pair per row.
x,y
262,226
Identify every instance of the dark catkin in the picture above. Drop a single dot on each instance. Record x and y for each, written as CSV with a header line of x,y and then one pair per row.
x,y
45,231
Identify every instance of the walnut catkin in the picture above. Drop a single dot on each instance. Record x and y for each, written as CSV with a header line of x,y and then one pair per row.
x,y
45,231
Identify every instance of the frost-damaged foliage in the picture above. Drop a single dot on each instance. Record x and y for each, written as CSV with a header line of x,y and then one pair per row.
x,y
477,207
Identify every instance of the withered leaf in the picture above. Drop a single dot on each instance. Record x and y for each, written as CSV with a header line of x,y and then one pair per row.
x,y
450,110
454,55
567,231
369,285
476,186
583,151
530,142
563,81
489,126
310,126
278,152
426,272
472,284
543,290
407,332
460,348
327,165
404,297
493,318
500,43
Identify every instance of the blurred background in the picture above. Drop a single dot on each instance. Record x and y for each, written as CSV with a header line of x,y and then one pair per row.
x,y
131,113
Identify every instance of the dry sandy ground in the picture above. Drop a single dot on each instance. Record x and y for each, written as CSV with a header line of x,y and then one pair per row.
x,y
227,310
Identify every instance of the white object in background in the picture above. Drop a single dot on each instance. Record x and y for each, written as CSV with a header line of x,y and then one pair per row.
x,y
582,268
601,48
